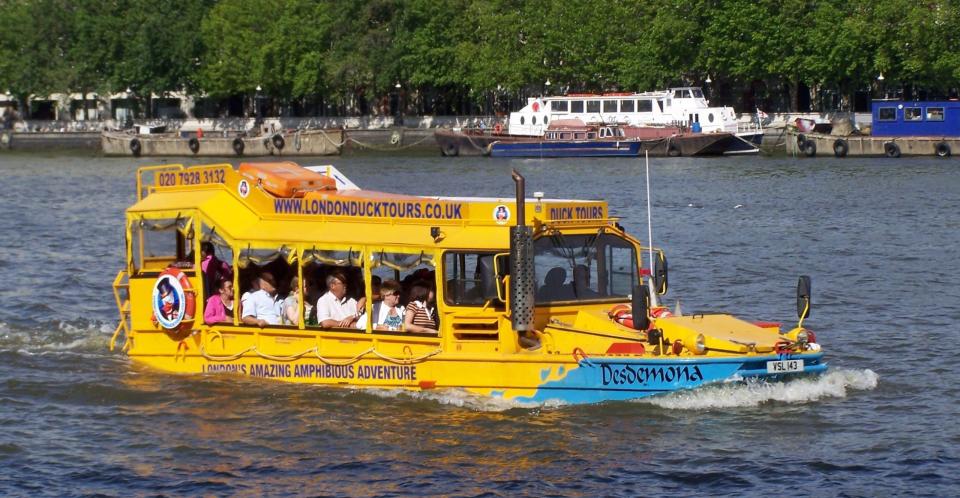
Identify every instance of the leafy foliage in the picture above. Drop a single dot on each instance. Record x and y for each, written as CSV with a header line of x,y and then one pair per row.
x,y
453,54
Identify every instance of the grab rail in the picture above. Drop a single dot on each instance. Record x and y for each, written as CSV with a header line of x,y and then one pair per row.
x,y
123,307
145,169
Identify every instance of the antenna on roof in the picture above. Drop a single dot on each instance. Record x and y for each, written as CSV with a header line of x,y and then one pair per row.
x,y
650,284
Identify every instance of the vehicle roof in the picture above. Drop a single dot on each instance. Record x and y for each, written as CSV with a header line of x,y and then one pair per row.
x,y
348,216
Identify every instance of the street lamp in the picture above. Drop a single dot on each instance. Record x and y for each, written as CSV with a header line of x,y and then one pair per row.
x,y
708,80
880,78
258,107
399,104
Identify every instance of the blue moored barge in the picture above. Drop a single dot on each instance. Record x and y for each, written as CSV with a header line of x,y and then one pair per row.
x,y
915,128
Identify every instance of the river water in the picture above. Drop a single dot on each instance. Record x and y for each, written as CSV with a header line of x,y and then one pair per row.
x,y
879,238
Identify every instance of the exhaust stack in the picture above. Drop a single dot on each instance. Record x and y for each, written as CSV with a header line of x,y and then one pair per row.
x,y
522,279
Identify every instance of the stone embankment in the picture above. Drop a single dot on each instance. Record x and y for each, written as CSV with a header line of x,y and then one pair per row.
x,y
370,133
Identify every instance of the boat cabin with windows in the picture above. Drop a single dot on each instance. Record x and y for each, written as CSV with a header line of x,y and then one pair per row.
x,y
898,118
681,106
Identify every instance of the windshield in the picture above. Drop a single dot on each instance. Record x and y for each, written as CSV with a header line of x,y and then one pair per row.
x,y
597,266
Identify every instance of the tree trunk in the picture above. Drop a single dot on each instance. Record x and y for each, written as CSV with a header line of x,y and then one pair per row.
x,y
794,96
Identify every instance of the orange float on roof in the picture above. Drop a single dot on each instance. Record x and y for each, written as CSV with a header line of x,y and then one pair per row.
x,y
286,179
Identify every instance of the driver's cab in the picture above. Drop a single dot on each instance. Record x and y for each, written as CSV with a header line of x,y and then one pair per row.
x,y
583,266
578,268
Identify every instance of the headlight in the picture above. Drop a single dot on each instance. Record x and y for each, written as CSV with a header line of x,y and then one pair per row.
x,y
699,346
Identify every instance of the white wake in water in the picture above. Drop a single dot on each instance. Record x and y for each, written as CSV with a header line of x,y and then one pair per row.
x,y
745,394
735,394
56,336
459,398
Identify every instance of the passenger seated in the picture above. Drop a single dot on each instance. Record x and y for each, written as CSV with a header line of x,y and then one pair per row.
x,y
214,270
375,283
553,288
252,286
581,283
262,307
335,309
388,314
421,313
291,305
219,307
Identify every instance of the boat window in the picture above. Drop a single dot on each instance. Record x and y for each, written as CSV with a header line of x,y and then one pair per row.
x,y
276,265
546,120
603,132
591,135
521,120
887,114
318,264
619,132
934,113
159,243
626,106
565,136
912,114
596,266
710,117
533,120
220,266
578,136
558,105
644,106
576,106
697,93
410,271
593,106
469,278
660,104
609,106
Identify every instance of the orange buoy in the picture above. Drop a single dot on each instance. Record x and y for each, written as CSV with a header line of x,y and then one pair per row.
x,y
622,314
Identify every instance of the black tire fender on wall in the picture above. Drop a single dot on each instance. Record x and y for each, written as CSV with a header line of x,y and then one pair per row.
x,y
891,150
942,149
840,148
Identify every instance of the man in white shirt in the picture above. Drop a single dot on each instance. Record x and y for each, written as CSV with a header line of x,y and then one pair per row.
x,y
334,308
262,307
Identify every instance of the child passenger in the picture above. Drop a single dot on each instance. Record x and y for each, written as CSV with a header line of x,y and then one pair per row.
x,y
388,314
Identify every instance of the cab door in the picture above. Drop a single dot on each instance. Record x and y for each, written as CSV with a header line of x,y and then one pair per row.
x,y
470,308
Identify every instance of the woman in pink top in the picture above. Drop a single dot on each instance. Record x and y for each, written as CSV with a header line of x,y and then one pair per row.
x,y
219,307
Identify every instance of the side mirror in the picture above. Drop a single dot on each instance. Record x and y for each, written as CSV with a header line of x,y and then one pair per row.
x,y
641,308
803,297
660,273
501,267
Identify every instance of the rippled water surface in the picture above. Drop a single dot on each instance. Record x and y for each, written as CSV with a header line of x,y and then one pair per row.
x,y
879,237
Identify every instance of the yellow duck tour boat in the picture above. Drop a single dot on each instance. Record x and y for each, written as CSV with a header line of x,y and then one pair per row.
x,y
530,300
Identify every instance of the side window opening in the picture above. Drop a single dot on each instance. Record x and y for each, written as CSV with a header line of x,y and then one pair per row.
x,y
469,278
159,243
265,276
410,281
333,288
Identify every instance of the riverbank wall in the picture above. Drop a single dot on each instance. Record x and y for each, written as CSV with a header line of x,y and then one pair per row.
x,y
364,133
